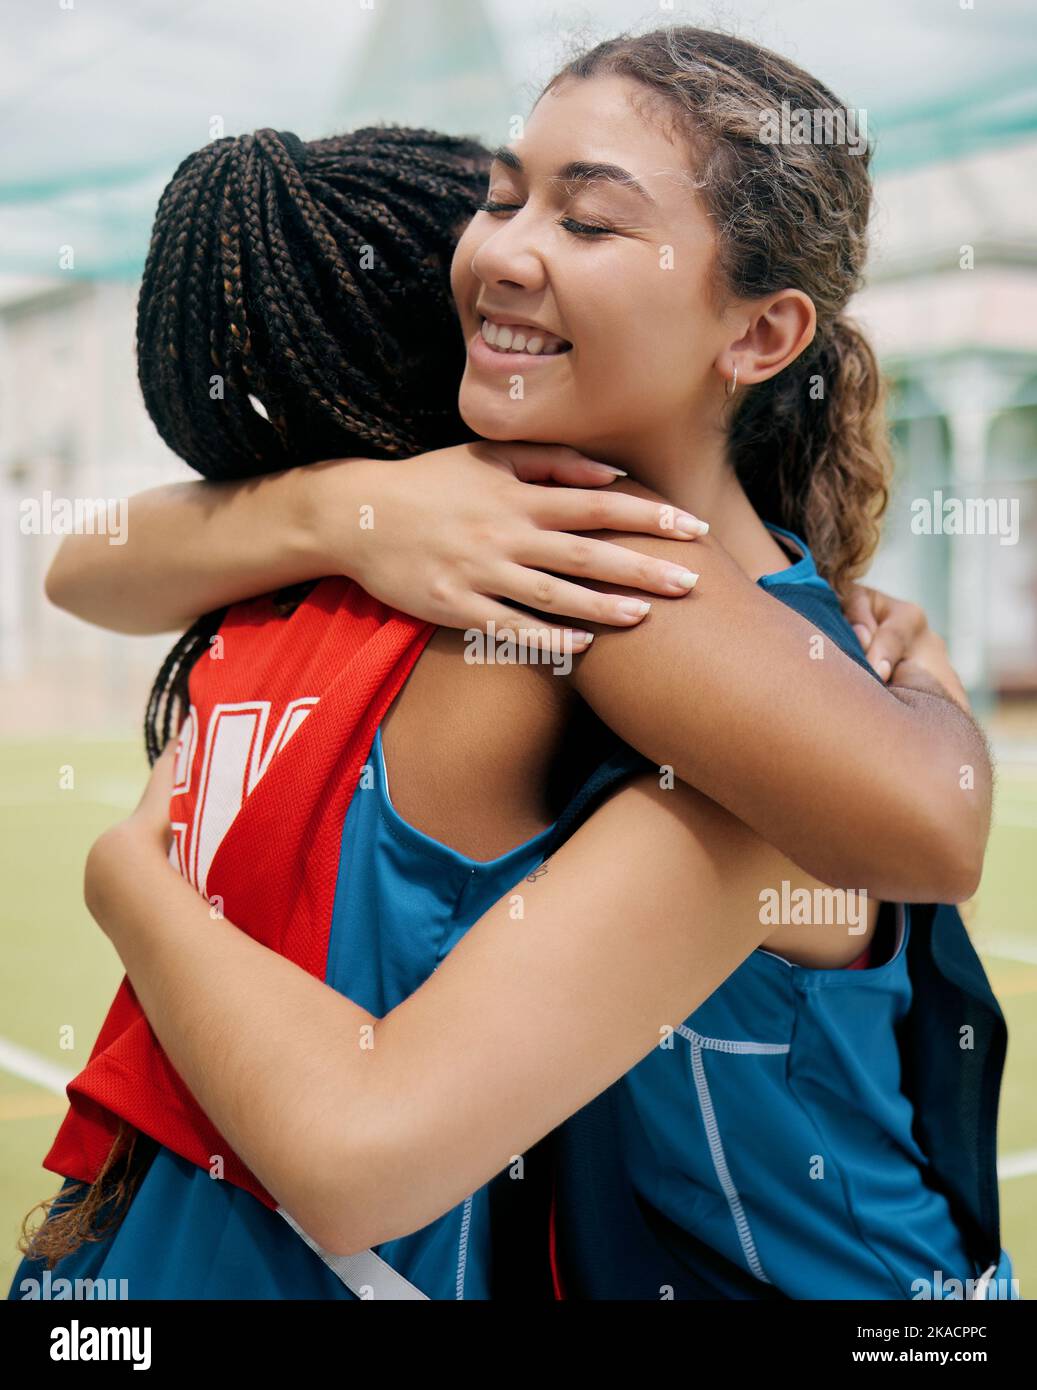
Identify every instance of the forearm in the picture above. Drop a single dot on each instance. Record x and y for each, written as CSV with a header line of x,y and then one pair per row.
x,y
860,786
194,547
274,1057
901,811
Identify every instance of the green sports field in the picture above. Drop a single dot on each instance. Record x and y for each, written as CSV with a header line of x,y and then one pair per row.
x,y
60,973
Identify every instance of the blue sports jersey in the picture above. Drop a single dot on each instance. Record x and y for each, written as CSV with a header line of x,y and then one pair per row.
x,y
775,1128
770,1148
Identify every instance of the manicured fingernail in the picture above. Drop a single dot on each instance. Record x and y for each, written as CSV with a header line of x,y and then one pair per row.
x,y
683,579
582,639
619,472
863,635
884,669
688,525
633,607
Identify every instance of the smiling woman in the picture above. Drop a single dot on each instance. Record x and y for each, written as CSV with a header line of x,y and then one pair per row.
x,y
620,259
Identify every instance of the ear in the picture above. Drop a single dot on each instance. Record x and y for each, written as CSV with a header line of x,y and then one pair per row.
x,y
780,327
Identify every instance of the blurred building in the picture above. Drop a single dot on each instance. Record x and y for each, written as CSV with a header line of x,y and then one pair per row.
x,y
72,426
951,305
952,308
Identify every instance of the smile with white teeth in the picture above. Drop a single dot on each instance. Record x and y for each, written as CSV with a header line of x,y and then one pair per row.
x,y
518,337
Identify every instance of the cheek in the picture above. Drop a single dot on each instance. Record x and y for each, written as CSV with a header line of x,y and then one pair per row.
x,y
644,349
624,343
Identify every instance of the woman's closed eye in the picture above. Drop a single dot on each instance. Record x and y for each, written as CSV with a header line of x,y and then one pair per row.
x,y
587,229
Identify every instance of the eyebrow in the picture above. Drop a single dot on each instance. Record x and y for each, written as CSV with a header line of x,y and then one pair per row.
x,y
580,171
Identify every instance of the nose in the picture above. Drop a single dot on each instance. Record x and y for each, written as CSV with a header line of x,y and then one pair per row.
x,y
509,254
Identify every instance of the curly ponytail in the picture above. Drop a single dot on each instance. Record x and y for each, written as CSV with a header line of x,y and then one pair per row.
x,y
810,445
811,449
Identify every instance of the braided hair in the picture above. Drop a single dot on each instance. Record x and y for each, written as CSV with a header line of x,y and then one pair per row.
x,y
314,278
296,306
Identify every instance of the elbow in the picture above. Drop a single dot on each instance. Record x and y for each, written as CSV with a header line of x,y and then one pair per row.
x,y
377,1193
345,1226
964,819
961,874
935,840
934,855
358,1204
936,878
74,585
951,849
336,1236
57,584
951,880
66,586
335,1214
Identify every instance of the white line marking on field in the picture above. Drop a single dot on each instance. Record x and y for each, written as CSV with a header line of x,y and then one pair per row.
x,y
1018,1165
30,1066
1009,948
18,803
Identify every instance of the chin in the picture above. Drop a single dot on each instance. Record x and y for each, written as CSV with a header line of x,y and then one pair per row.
x,y
485,413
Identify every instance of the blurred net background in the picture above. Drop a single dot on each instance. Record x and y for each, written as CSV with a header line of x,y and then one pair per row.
x,y
100,100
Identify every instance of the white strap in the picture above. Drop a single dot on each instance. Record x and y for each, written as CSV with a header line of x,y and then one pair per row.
x,y
983,1283
367,1274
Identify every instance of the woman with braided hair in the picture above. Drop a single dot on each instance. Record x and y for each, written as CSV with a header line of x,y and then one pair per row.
x,y
585,999
327,268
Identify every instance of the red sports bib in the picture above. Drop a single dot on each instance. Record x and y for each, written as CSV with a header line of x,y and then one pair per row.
x,y
283,714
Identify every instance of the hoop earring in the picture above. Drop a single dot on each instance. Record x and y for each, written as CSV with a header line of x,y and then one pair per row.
x,y
732,385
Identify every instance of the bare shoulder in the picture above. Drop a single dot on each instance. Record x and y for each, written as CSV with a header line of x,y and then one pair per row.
x,y
468,745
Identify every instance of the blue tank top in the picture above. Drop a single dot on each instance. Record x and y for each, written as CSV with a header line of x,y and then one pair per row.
x,y
773,1129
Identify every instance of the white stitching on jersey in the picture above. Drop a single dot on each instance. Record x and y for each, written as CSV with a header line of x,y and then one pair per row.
x,y
729,1044
462,1255
699,1044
